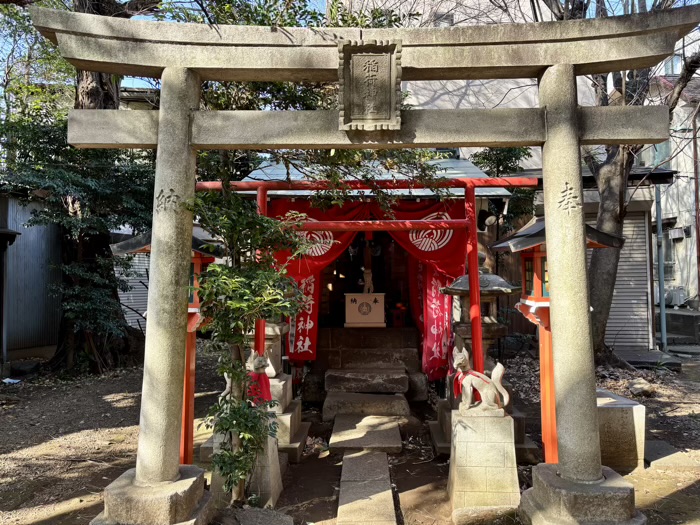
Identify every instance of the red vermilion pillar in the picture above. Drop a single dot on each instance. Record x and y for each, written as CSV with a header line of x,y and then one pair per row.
x,y
473,271
260,325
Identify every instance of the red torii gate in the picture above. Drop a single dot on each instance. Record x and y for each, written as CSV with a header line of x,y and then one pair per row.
x,y
263,187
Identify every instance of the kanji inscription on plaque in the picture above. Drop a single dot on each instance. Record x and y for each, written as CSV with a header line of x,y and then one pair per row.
x,y
370,85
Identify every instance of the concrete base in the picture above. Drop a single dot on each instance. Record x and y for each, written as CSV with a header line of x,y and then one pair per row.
x,y
556,501
181,502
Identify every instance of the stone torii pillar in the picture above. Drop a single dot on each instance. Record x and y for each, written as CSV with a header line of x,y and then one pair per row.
x,y
577,489
160,490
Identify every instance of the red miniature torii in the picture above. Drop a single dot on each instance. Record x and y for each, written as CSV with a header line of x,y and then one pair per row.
x,y
469,186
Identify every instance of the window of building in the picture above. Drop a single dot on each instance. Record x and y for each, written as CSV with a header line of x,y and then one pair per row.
x,y
669,259
662,152
673,65
443,20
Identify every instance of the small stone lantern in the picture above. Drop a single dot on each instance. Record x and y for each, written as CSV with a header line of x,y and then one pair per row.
x,y
492,286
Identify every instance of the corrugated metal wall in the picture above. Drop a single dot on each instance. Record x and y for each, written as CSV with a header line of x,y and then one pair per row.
x,y
135,300
629,324
32,313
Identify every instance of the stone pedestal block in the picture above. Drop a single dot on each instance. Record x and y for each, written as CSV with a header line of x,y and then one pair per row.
x,y
273,347
553,500
288,422
281,390
483,470
622,423
179,502
266,481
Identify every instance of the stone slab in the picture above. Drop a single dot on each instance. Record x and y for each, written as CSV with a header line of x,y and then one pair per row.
x,y
254,516
555,500
484,515
383,380
375,433
339,403
649,359
181,501
365,466
295,448
365,502
664,456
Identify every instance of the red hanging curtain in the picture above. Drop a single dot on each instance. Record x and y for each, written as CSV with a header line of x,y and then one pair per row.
x,y
436,257
306,271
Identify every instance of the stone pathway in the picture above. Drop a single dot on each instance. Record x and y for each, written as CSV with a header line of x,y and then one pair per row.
x,y
369,433
365,490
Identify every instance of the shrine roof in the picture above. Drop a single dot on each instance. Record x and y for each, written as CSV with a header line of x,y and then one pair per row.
x,y
449,169
533,234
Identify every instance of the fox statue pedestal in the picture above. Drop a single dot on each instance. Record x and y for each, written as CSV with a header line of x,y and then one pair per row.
x,y
483,472
483,479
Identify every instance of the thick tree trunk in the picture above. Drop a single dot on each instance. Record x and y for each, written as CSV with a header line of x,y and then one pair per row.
x,y
612,185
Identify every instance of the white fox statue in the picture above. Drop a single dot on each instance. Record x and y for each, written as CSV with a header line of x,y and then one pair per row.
x,y
493,395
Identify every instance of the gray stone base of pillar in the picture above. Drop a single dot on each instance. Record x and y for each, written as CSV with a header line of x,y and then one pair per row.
x,y
555,501
266,481
181,502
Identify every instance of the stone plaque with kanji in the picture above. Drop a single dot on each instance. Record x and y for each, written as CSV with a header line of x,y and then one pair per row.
x,y
370,85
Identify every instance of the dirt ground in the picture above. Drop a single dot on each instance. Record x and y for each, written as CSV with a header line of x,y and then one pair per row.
x,y
62,442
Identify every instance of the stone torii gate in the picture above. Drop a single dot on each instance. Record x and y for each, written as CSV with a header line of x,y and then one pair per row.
x,y
369,65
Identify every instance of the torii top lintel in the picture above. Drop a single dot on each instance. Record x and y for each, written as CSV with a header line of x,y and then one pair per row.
x,y
247,53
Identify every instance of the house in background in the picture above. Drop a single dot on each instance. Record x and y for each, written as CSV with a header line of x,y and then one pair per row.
x,y
631,326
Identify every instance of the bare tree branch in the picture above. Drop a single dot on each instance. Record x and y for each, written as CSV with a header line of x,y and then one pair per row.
x,y
690,67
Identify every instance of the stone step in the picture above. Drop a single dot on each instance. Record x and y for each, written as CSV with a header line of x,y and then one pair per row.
x,y
367,338
382,380
365,490
373,358
339,403
662,455
288,422
373,433
684,350
295,448
677,339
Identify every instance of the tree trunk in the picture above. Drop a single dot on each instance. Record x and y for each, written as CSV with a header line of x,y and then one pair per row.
x,y
612,185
